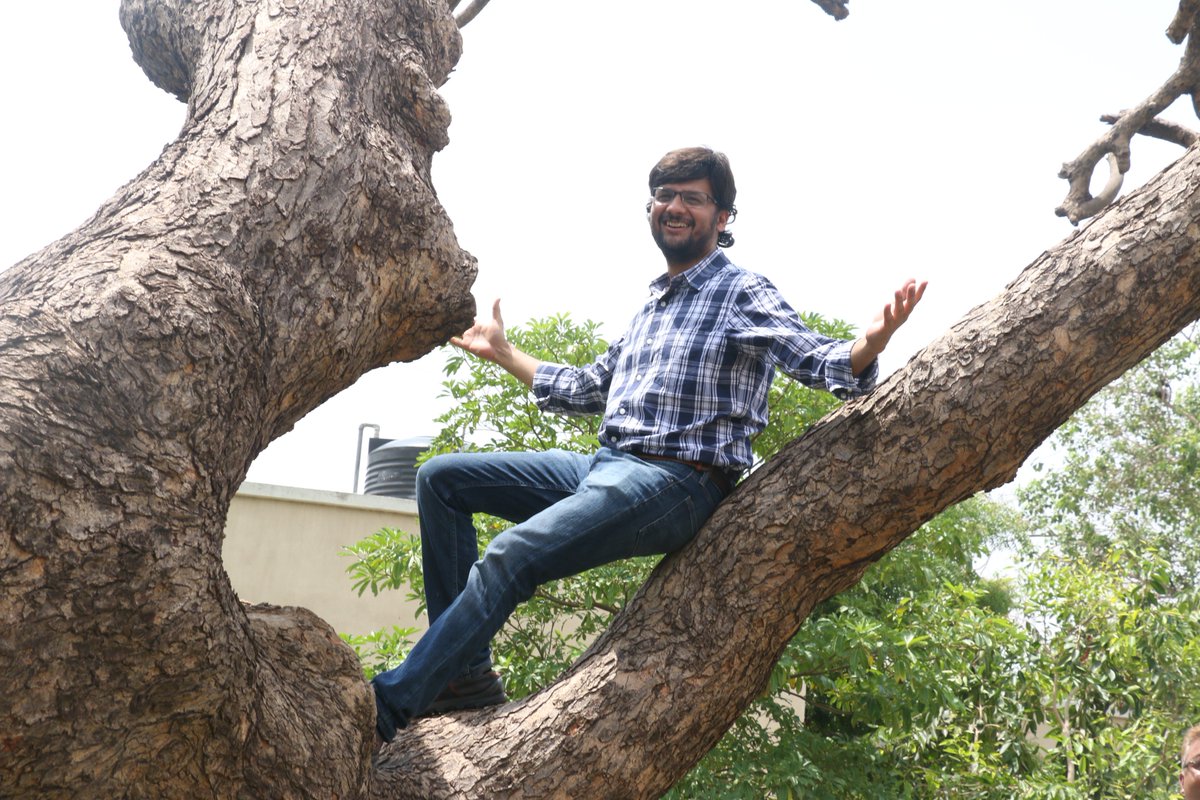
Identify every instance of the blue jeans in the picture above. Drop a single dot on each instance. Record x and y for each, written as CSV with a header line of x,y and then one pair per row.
x,y
573,512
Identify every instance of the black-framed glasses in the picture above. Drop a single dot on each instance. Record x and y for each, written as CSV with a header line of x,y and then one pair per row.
x,y
691,197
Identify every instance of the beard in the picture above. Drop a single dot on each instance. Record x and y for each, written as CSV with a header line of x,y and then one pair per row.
x,y
691,248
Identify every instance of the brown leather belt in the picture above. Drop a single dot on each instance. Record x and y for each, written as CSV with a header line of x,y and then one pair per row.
x,y
724,479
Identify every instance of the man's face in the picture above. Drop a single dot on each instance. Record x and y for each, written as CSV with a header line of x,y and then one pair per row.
x,y
1189,776
686,233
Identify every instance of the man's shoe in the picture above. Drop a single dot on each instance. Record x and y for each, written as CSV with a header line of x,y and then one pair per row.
x,y
475,691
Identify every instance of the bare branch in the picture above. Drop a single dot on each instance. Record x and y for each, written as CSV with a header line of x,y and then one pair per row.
x,y
1079,203
1162,129
1088,206
837,8
1185,20
469,13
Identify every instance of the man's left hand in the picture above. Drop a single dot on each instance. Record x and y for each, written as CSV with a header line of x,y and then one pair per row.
x,y
875,340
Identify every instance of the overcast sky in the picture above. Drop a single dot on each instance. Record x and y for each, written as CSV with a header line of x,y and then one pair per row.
x,y
916,139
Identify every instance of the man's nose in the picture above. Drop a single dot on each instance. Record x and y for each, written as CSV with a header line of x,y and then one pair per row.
x,y
676,199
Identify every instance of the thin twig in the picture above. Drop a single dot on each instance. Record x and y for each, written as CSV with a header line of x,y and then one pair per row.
x,y
569,606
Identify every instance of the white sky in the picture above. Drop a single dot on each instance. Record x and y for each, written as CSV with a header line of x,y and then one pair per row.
x,y
917,138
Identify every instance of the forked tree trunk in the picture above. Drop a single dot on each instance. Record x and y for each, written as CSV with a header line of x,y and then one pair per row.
x,y
289,241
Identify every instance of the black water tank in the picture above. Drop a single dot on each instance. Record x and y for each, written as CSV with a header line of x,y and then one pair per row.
x,y
392,466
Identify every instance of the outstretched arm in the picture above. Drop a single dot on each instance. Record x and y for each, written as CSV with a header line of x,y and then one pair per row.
x,y
487,341
879,332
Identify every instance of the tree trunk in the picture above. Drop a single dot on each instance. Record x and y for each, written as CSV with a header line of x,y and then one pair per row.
x,y
289,241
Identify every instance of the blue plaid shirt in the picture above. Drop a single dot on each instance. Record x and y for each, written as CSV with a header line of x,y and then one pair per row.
x,y
689,379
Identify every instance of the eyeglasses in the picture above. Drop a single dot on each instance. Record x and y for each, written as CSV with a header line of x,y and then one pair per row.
x,y
691,198
1193,765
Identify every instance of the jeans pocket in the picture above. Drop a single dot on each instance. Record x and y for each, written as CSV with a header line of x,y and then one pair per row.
x,y
671,531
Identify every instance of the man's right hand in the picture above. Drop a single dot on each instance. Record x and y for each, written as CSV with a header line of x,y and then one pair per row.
x,y
486,340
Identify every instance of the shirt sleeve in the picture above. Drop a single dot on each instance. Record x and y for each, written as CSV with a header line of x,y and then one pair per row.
x,y
766,322
576,390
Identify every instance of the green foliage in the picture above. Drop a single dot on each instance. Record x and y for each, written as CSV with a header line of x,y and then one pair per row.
x,y
881,690
1117,668
388,559
1130,461
1110,589
493,411
380,651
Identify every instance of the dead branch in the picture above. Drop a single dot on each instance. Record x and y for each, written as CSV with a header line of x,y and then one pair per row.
x,y
1185,20
469,13
1162,129
1115,144
837,8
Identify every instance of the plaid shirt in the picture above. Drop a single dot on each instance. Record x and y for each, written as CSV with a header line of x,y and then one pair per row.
x,y
689,379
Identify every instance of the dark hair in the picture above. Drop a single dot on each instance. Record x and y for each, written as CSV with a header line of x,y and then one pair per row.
x,y
1189,736
694,163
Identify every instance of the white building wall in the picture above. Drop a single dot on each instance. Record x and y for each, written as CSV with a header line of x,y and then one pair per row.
x,y
283,546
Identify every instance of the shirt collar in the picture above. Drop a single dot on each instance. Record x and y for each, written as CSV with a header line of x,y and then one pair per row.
x,y
695,275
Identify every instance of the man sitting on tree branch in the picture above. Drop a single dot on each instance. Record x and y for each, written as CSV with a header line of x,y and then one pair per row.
x,y
682,393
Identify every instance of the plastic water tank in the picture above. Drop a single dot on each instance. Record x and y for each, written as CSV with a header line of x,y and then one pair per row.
x,y
392,466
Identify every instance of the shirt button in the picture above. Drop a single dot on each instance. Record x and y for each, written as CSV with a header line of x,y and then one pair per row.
x,y
621,410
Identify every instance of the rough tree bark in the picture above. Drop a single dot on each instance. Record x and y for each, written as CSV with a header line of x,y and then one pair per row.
x,y
289,241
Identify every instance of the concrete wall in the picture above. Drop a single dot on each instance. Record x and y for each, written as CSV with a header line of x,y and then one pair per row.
x,y
283,545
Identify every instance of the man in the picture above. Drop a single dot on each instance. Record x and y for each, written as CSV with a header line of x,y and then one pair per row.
x,y
1189,764
682,393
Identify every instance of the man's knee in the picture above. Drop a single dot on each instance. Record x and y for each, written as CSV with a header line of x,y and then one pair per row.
x,y
435,472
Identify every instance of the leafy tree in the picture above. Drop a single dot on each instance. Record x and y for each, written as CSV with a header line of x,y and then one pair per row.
x,y
900,679
1116,670
1110,584
1129,465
